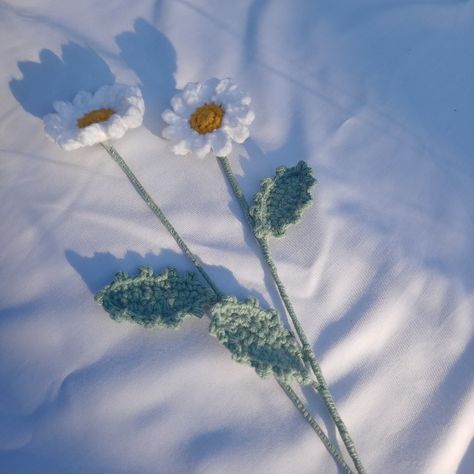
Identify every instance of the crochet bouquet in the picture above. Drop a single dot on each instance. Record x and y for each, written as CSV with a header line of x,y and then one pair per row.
x,y
204,120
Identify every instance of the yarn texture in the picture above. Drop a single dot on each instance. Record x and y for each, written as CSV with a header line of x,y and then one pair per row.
x,y
208,117
257,337
155,300
93,118
281,200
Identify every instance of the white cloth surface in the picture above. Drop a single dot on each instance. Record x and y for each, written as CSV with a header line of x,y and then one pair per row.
x,y
378,97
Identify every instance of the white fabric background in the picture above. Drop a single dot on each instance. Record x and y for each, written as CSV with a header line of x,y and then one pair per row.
x,y
378,97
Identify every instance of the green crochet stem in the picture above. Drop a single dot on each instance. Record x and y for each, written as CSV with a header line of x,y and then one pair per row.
x,y
307,416
308,353
159,213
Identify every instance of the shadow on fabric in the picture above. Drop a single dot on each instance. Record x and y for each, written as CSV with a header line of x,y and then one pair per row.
x,y
59,78
153,58
98,270
467,460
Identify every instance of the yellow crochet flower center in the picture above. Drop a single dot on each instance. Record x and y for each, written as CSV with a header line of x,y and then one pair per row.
x,y
207,118
95,116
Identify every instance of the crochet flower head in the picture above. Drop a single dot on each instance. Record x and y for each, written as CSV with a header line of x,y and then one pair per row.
x,y
207,117
94,118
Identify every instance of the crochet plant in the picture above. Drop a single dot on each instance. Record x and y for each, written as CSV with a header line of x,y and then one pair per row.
x,y
257,337
205,119
281,200
155,300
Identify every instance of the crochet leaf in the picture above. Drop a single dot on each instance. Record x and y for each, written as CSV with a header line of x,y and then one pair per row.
x,y
155,300
281,200
257,337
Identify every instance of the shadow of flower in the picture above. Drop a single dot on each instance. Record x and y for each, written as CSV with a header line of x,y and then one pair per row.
x,y
59,78
153,58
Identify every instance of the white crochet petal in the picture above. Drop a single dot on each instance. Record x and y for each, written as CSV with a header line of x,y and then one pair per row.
x,y
177,132
70,144
248,118
237,117
209,89
220,143
203,151
239,134
115,127
125,101
170,117
199,145
191,94
240,114
91,135
232,97
224,85
181,147
82,99
65,109
52,123
101,97
133,118
180,107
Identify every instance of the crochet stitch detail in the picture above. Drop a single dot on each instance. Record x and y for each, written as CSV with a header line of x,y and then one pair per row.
x,y
95,116
281,200
207,118
155,300
257,337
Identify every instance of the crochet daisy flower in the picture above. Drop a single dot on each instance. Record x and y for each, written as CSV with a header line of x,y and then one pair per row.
x,y
94,118
207,117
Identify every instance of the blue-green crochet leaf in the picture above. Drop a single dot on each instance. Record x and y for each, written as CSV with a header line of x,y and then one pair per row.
x,y
281,200
155,300
257,337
